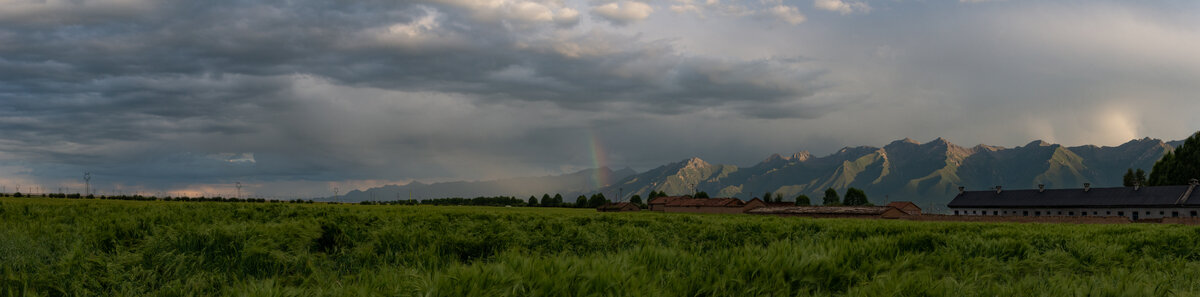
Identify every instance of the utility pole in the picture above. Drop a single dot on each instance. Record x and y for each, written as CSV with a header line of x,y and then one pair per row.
x,y
239,189
87,183
620,194
335,194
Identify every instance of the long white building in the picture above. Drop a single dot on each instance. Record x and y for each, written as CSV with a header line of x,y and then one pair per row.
x,y
1132,202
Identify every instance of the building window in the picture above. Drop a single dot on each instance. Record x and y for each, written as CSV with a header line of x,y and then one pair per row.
x,y
1060,213
1071,213
1193,213
1093,213
994,212
1161,213
1109,213
955,212
1121,213
1174,214
1037,213
1025,213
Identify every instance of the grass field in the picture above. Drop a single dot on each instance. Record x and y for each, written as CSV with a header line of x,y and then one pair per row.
x,y
60,247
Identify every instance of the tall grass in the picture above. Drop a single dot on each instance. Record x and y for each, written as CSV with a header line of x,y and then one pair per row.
x,y
133,248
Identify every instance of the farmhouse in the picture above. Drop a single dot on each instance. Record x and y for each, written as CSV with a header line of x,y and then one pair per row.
x,y
704,205
893,210
660,203
907,207
621,206
1132,202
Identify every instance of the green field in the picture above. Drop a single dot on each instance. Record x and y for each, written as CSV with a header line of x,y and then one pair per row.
x,y
60,247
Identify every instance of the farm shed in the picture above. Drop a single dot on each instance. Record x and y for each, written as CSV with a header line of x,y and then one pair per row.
x,y
907,207
870,212
1134,202
705,205
616,207
660,203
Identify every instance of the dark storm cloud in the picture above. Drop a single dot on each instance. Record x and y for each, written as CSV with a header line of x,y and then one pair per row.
x,y
153,89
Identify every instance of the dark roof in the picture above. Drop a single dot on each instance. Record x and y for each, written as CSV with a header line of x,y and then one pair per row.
x,y
832,210
667,199
720,202
1168,196
903,204
618,205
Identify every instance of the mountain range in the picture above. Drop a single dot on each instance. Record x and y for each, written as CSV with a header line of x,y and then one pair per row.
x,y
904,170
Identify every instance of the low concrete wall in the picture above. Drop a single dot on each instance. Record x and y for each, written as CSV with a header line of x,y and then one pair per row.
x,y
1019,219
704,209
826,216
1184,221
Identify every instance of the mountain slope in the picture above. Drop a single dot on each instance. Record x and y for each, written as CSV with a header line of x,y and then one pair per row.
x,y
927,173
570,185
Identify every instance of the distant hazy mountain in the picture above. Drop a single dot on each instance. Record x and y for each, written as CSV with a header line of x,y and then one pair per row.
x,y
570,185
927,173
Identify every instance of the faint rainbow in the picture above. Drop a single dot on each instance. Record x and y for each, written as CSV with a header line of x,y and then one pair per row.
x,y
599,161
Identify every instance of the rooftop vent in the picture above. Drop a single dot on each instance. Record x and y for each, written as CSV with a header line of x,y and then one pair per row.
x,y
997,189
1137,186
962,189
1041,188
1087,187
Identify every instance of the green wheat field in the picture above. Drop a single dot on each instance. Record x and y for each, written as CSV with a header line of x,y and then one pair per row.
x,y
67,247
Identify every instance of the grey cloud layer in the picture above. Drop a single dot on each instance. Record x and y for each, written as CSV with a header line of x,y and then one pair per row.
x,y
163,93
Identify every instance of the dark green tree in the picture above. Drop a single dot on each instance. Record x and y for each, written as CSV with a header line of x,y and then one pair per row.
x,y
1127,179
533,201
1139,176
558,199
778,198
855,197
547,201
1179,166
581,202
702,194
597,200
831,197
636,199
803,200
766,197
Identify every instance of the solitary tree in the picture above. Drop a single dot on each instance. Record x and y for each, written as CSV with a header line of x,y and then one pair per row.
x,y
702,194
855,197
1127,179
831,197
533,201
1179,166
636,199
597,200
778,198
803,200
581,202
766,197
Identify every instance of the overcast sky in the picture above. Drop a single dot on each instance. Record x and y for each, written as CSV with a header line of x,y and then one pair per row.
x,y
298,97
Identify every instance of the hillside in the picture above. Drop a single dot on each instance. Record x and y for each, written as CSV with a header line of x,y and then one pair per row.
x,y
571,184
927,173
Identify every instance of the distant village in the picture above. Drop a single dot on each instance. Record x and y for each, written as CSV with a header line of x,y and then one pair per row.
x,y
1114,205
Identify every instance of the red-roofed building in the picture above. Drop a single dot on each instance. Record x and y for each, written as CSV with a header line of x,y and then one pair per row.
x,y
660,203
615,207
907,207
